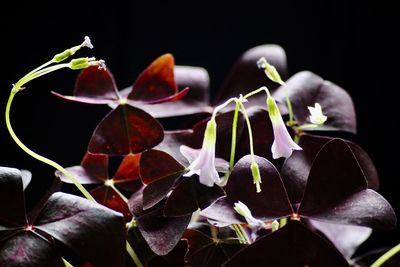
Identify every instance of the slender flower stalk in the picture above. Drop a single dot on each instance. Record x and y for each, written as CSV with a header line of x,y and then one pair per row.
x,y
283,144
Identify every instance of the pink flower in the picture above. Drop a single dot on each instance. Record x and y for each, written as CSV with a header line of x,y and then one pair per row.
x,y
203,162
283,144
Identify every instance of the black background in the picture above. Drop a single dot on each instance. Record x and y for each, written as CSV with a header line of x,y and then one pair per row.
x,y
354,45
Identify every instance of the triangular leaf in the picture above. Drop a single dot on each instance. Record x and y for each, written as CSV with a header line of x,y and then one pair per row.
x,y
301,248
337,191
156,164
108,197
346,238
28,249
93,86
156,81
125,130
190,195
271,203
161,233
72,219
296,169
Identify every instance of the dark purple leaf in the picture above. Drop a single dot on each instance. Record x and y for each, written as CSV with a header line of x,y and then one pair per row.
x,y
160,232
305,89
293,245
156,81
204,251
158,190
125,130
190,195
108,197
271,203
28,249
337,191
245,75
94,232
296,169
12,205
93,86
156,164
159,171
346,238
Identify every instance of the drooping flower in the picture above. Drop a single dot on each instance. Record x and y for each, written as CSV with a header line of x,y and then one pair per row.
x,y
204,164
316,115
283,144
254,224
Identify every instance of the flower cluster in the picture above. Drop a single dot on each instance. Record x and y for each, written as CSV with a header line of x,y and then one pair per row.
x,y
254,178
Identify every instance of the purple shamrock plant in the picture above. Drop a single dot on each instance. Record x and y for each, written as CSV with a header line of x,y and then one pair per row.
x,y
259,176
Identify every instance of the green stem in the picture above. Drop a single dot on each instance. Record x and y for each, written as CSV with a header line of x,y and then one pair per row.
x,y
265,89
382,259
35,155
234,133
289,106
246,116
133,255
218,108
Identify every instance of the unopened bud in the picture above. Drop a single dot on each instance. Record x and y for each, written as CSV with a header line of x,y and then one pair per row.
x,y
255,171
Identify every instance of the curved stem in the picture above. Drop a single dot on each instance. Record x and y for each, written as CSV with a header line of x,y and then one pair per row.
x,y
382,259
34,154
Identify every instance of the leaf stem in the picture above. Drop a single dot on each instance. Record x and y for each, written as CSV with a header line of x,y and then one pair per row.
x,y
382,259
246,116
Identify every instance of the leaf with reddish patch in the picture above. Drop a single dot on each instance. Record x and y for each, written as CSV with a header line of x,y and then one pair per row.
x,y
28,249
190,195
128,170
160,232
346,238
204,251
93,170
245,76
194,102
156,81
296,169
93,86
125,130
301,248
108,197
337,191
305,89
271,203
